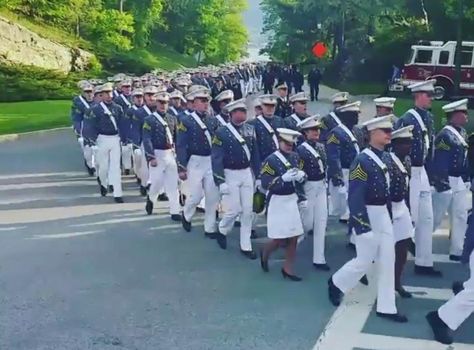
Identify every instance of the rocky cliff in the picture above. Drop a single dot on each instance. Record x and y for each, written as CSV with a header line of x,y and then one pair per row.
x,y
20,45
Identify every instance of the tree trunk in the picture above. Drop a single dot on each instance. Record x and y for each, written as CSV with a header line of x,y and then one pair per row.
x,y
425,14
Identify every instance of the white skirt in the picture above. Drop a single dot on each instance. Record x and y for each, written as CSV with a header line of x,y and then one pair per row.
x,y
283,217
402,226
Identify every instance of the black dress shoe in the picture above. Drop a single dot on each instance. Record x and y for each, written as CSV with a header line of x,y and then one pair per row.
x,y
237,224
103,191
263,263
322,267
403,293
351,246
126,172
111,188
148,187
139,182
200,210
457,287
211,235
90,171
393,317
249,254
186,224
163,197
118,199
221,240
343,221
253,234
412,247
310,233
143,190
427,271
364,280
293,278
334,293
149,206
176,217
98,181
455,257
442,333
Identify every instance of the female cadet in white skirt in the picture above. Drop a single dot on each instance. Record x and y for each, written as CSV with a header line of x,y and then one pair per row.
x,y
283,180
399,193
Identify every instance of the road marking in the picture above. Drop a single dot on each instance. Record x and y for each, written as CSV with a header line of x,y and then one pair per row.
x,y
67,173
384,342
438,258
65,235
431,293
118,221
11,228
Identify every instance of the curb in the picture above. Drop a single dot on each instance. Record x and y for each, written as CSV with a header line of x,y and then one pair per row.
x,y
14,137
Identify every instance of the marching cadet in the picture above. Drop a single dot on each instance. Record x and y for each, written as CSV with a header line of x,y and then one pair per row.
x,y
384,106
299,103
159,131
235,163
315,216
331,120
399,181
104,125
283,179
80,107
342,148
193,150
454,312
266,126
283,108
421,206
136,132
221,116
124,100
451,175
369,202
137,103
176,97
257,107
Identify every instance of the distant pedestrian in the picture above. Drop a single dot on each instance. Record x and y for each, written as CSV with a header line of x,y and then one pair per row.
x,y
314,79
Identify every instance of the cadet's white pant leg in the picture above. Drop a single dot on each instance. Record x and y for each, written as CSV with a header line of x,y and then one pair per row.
x,y
344,196
246,202
422,214
441,203
137,162
144,172
194,185
115,174
88,156
460,307
103,154
337,200
202,203
231,206
458,216
320,217
157,177
211,196
127,157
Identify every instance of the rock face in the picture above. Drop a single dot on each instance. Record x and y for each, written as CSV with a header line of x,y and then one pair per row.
x,y
20,45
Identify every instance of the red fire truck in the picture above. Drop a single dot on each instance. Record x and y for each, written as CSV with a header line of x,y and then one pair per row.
x,y
435,60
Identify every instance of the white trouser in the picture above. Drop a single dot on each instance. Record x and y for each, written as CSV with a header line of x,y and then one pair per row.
x,y
137,162
377,245
108,155
422,215
339,197
243,87
455,311
127,157
89,156
200,177
315,217
239,202
457,203
165,174
144,171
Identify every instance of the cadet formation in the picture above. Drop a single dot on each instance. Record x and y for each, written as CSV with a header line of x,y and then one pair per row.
x,y
190,139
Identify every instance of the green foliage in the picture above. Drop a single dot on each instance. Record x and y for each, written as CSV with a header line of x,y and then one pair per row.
x,y
20,117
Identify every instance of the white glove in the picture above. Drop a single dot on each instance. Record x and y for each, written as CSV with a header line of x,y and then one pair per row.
x,y
258,185
300,176
137,152
290,175
224,189
303,205
342,189
81,141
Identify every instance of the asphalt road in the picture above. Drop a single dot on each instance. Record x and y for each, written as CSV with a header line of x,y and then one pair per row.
x,y
78,271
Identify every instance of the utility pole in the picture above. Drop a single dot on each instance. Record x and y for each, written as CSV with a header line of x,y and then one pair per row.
x,y
288,53
457,76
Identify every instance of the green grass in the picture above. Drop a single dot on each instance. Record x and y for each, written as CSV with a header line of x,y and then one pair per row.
x,y
18,117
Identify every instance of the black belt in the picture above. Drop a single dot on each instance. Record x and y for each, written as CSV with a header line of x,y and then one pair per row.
x,y
237,167
377,202
108,134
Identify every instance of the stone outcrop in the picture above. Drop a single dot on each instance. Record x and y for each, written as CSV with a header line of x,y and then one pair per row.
x,y
22,46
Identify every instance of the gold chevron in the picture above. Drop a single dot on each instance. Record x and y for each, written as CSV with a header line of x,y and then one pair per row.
x,y
216,141
181,127
443,146
267,169
333,139
358,174
146,126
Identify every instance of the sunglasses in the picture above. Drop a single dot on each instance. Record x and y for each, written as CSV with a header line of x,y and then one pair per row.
x,y
387,130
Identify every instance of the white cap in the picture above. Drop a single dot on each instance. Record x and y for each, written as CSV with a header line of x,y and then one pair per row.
x,y
107,87
460,105
405,133
282,86
299,97
257,103
125,83
163,96
225,95
424,86
198,91
350,107
268,99
310,122
239,104
387,102
150,89
137,92
342,96
288,135
176,94
379,123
